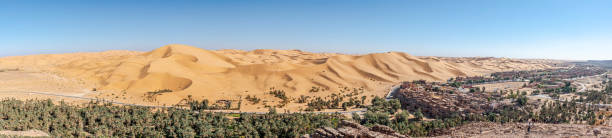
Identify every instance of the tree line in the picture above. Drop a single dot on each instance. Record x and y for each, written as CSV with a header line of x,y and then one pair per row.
x,y
96,119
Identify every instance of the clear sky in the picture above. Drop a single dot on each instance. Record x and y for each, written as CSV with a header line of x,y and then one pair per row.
x,y
557,29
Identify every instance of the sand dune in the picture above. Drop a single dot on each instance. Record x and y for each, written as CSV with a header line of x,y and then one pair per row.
x,y
229,74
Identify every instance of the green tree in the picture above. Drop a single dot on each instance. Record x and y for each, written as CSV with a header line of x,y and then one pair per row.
x,y
356,117
418,115
521,101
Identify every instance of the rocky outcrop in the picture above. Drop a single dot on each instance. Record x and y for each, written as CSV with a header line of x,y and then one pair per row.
x,y
443,102
349,129
535,130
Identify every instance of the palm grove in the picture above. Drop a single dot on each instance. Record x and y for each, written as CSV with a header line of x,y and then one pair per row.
x,y
104,119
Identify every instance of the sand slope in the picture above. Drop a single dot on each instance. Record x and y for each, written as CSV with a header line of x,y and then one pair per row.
x,y
228,74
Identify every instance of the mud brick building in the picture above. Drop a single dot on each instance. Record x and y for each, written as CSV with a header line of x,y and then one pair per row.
x,y
441,103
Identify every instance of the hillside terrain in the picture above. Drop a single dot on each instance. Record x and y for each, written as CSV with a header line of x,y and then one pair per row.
x,y
488,129
188,71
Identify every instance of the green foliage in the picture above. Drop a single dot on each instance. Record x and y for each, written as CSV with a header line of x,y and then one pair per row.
x,y
104,120
317,104
335,100
402,116
553,112
152,96
198,105
303,99
418,115
381,105
314,89
272,110
279,94
521,101
566,112
609,86
371,118
253,100
456,84
596,97
536,92
511,95
356,117
203,104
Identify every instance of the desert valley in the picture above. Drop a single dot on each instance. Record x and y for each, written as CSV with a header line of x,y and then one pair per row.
x,y
306,69
394,93
232,75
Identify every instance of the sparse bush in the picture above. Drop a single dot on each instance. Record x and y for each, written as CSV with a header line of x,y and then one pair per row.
x,y
152,96
418,115
253,100
314,89
356,117
521,101
279,94
303,99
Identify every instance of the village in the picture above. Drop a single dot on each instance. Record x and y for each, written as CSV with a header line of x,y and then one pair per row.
x,y
479,94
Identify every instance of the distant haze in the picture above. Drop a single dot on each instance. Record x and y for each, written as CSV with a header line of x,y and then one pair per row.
x,y
551,29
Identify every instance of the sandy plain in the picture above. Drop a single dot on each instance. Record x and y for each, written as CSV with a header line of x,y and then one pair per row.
x,y
127,76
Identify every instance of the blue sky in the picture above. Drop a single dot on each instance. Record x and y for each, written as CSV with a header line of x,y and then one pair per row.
x,y
556,29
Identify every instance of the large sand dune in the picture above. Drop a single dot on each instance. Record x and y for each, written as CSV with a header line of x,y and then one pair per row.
x,y
229,74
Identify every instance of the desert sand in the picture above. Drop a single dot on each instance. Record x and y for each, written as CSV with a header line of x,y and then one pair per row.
x,y
233,74
29,133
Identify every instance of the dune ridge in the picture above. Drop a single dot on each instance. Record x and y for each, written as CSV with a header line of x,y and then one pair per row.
x,y
229,74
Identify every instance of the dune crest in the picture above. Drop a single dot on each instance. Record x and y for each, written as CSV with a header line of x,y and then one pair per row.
x,y
229,74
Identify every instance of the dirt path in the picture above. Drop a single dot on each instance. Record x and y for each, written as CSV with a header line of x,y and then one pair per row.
x,y
589,82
